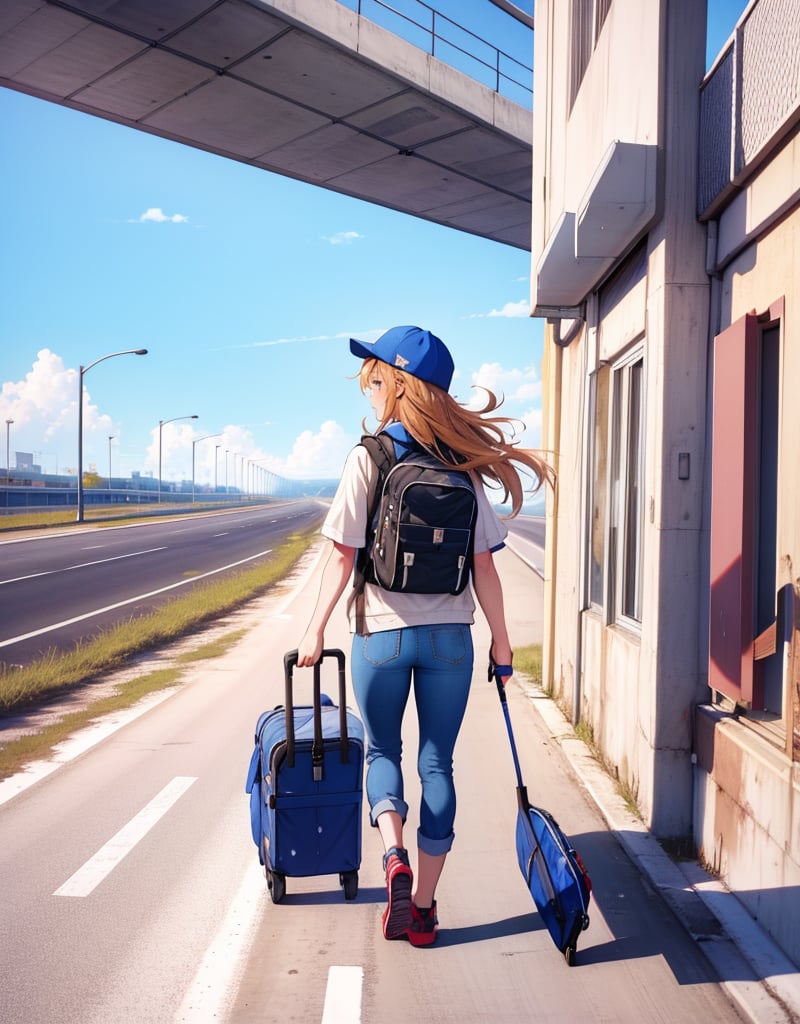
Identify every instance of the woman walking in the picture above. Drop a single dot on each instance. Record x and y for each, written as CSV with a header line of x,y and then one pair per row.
x,y
401,637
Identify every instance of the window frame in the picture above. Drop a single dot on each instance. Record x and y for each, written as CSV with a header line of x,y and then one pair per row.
x,y
592,588
622,463
621,466
587,18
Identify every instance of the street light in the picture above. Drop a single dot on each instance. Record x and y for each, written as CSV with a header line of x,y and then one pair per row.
x,y
196,441
160,428
110,439
216,462
253,464
8,449
82,370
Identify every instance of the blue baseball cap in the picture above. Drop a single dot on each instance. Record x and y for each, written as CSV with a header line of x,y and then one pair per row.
x,y
413,350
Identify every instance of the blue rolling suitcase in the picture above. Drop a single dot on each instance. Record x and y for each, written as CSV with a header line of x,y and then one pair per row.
x,y
552,869
305,786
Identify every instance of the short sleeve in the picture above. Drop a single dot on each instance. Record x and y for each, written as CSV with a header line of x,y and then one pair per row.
x,y
346,522
490,530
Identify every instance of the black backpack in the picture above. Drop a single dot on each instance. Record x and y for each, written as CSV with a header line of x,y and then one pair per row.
x,y
422,521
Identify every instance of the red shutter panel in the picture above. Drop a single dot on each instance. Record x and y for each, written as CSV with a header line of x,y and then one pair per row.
x,y
733,501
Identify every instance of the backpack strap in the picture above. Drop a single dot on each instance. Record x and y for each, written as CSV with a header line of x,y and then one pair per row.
x,y
381,450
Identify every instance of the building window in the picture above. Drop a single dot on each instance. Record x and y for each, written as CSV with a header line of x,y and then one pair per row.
x,y
588,17
632,522
614,558
625,540
743,603
598,487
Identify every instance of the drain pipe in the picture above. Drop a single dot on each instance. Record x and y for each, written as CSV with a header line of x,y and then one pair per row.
x,y
551,441
589,337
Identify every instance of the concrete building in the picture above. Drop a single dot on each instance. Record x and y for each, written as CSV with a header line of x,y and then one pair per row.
x,y
666,258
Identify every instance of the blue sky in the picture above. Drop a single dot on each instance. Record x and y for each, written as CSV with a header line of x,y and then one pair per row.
x,y
244,287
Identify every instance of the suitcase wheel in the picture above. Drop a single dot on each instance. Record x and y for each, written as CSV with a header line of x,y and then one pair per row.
x,y
276,883
569,956
349,881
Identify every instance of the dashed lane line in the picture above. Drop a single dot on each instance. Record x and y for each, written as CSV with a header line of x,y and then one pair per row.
x,y
91,874
343,996
131,600
80,565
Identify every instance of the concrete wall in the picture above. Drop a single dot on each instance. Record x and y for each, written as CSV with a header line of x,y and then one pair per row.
x,y
729,781
747,800
636,685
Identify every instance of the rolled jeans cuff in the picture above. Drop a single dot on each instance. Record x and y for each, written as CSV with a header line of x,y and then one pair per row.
x,y
434,847
389,803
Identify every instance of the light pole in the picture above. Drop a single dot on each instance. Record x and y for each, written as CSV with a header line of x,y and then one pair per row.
x,y
110,439
254,463
216,462
160,428
8,449
196,440
82,370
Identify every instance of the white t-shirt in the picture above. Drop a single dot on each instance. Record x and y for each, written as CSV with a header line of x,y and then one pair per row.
x,y
346,523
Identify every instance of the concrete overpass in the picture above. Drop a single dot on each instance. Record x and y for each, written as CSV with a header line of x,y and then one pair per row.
x,y
303,88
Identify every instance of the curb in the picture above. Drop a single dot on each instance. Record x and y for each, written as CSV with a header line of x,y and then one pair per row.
x,y
757,976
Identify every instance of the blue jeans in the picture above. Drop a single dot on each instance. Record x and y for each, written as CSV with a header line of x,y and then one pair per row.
x,y
440,660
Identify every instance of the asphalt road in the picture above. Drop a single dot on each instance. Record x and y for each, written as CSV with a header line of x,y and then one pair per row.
x,y
130,888
57,588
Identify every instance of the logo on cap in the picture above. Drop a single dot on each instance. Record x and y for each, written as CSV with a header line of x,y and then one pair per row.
x,y
399,361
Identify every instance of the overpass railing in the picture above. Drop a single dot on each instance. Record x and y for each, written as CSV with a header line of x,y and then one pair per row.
x,y
460,47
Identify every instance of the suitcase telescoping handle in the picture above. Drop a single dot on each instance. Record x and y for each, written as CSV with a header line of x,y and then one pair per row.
x,y
289,664
501,690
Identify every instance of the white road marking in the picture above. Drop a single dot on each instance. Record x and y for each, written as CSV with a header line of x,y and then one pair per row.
x,y
85,739
78,744
87,878
130,600
81,565
213,991
343,996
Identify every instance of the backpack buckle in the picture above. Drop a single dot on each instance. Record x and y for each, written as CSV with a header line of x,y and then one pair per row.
x,y
438,535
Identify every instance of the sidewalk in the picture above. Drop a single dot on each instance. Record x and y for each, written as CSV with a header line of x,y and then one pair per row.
x,y
756,975
760,979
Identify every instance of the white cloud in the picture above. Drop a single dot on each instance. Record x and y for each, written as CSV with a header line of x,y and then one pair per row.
x,y
520,391
44,408
532,418
512,385
369,336
156,214
512,310
319,455
342,237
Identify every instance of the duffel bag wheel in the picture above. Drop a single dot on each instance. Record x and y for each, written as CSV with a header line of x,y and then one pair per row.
x,y
569,955
276,883
349,881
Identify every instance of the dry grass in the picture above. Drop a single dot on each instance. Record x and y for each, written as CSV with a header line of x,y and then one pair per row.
x,y
54,672
39,743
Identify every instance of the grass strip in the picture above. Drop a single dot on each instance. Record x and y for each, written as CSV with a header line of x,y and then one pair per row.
x,y
528,661
111,515
39,744
54,672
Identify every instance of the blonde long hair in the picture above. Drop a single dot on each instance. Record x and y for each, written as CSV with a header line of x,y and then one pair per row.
x,y
445,427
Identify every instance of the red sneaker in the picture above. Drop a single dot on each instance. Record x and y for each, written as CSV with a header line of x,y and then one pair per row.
x,y
399,882
423,926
